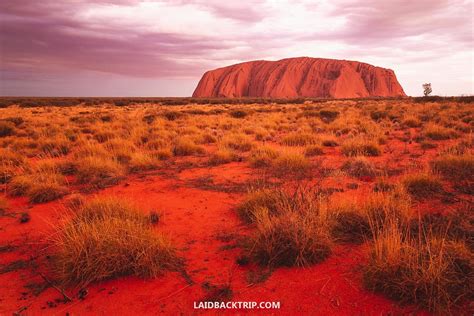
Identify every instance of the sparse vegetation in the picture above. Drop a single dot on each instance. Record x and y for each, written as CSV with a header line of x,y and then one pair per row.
x,y
455,167
298,139
263,156
291,228
422,185
393,174
6,128
355,147
290,163
108,238
429,271
437,132
99,171
359,167
222,156
313,150
186,147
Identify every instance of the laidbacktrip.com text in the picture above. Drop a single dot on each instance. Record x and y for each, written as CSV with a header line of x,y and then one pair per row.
x,y
236,305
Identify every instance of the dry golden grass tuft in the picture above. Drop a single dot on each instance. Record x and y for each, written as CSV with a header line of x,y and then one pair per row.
x,y
291,164
108,238
142,161
40,185
263,156
255,201
384,207
299,139
313,150
455,167
351,224
360,146
99,171
222,156
359,167
291,229
185,146
411,121
438,132
422,185
10,157
10,163
54,147
430,271
240,142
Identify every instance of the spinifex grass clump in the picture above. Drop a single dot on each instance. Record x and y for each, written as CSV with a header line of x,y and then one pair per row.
x,y
382,208
40,185
263,156
455,167
99,171
298,139
107,238
422,185
360,146
222,155
292,229
359,167
438,132
256,200
186,147
429,270
355,221
292,164
352,222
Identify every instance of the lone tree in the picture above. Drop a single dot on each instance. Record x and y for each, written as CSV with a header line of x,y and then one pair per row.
x,y
427,89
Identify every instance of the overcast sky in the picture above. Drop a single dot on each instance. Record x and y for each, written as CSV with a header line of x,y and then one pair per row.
x,y
161,48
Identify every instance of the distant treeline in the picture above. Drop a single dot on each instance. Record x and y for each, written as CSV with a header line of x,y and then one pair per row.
x,y
125,101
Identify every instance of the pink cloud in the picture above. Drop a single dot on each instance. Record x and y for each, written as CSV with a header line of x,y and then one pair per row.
x,y
180,39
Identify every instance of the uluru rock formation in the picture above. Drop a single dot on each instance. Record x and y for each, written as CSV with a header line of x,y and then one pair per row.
x,y
300,77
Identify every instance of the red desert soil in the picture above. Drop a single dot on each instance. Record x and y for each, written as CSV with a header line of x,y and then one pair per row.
x,y
300,77
203,224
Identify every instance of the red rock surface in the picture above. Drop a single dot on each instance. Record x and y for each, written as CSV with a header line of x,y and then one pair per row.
x,y
300,77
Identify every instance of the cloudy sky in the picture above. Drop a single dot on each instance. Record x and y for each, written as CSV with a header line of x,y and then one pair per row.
x,y
161,48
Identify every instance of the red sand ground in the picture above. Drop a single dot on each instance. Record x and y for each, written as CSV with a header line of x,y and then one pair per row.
x,y
197,206
197,221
